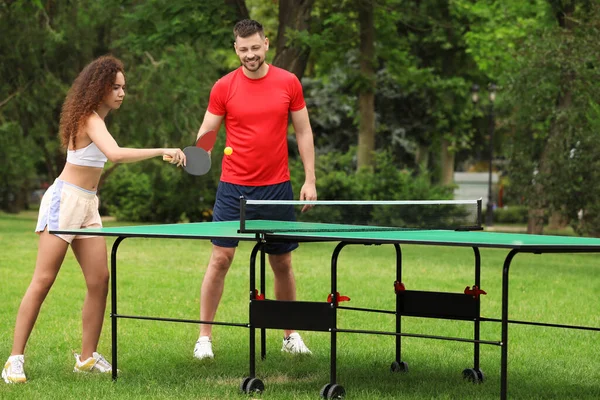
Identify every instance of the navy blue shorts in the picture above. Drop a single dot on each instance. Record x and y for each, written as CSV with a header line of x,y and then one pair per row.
x,y
227,208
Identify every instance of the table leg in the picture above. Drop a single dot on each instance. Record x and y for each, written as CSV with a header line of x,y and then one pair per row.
x,y
113,304
504,354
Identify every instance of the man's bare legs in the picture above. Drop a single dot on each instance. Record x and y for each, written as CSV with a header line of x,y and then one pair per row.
x,y
212,290
213,285
214,282
284,282
285,289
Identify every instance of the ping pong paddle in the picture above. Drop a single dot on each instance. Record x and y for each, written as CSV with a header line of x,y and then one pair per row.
x,y
198,159
207,140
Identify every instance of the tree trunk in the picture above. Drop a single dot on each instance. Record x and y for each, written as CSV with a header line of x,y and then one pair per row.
x,y
557,221
240,7
422,157
294,15
447,164
535,223
366,96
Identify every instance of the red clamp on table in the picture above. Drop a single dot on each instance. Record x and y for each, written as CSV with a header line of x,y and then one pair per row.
x,y
258,296
399,287
338,297
475,292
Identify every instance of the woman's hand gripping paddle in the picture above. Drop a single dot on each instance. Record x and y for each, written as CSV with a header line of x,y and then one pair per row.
x,y
198,157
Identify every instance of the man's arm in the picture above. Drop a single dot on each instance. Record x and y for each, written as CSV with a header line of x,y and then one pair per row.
x,y
306,147
211,122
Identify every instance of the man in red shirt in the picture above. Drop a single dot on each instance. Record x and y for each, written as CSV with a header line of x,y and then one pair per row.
x,y
255,101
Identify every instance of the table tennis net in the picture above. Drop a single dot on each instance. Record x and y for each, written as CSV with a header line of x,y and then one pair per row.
x,y
259,216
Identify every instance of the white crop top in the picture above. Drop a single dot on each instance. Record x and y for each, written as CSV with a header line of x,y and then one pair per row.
x,y
89,156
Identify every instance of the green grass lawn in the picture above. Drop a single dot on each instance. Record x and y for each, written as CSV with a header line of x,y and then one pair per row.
x,y
162,277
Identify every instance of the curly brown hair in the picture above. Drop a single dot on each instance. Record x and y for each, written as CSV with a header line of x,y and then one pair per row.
x,y
87,91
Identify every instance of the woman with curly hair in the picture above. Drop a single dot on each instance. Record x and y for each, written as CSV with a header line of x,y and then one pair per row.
x,y
71,203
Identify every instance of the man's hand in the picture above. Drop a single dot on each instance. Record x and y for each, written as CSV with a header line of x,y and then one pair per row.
x,y
308,192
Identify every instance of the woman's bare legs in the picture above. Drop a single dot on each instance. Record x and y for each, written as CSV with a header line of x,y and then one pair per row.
x,y
91,255
51,253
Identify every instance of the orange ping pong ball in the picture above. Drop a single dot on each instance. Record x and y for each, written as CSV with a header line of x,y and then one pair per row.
x,y
228,150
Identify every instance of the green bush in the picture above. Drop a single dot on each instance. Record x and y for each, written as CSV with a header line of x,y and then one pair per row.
x,y
337,179
589,224
17,167
126,195
154,191
511,215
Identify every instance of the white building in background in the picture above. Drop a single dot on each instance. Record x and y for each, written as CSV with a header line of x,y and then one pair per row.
x,y
474,185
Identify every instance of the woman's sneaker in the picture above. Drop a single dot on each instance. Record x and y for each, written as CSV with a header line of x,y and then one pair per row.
x,y
96,363
13,370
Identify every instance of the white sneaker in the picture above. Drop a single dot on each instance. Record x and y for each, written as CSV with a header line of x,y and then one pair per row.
x,y
96,363
13,370
293,344
203,348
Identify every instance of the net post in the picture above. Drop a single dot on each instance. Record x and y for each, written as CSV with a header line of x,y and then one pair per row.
x,y
242,214
479,205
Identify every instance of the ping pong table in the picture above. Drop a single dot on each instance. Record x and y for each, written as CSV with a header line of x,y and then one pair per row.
x,y
322,316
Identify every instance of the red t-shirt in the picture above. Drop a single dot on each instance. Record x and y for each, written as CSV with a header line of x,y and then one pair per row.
x,y
256,121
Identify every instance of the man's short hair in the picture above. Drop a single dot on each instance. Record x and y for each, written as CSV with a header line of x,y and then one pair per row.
x,y
246,28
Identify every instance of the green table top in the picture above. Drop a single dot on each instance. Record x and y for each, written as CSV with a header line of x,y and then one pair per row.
x,y
308,232
195,230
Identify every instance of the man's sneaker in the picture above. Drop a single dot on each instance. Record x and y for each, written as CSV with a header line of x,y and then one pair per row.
x,y
96,363
13,370
203,348
293,344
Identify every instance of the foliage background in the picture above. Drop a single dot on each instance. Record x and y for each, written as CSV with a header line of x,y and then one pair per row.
x,y
542,54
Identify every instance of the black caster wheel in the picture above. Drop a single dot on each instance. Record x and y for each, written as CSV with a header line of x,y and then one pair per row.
x,y
399,366
472,375
336,392
324,390
255,385
244,384
480,375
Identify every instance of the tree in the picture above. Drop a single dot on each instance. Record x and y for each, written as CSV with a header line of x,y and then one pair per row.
x,y
40,58
405,66
366,88
173,51
239,6
553,95
442,76
291,55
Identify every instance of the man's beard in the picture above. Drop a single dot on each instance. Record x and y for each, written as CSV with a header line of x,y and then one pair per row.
x,y
259,62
